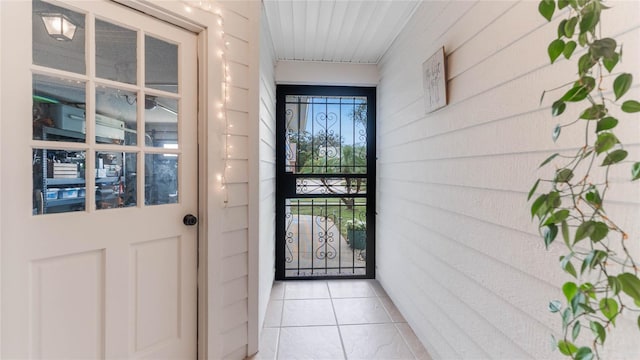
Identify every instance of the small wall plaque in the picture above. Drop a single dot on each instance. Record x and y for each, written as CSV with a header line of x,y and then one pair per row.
x,y
434,81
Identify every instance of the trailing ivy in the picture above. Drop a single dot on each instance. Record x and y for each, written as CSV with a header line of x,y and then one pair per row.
x,y
605,275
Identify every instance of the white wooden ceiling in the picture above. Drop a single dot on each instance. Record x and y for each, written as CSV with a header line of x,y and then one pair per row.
x,y
352,31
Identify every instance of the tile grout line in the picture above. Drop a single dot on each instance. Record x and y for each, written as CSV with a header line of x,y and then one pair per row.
x,y
284,295
404,339
335,316
395,324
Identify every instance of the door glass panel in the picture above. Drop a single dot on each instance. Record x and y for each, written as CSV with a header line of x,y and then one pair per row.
x,y
58,37
58,181
58,109
161,65
161,179
116,184
326,180
325,236
116,53
161,121
326,135
116,116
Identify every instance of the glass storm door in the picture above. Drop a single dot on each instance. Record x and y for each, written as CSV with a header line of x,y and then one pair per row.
x,y
99,157
325,182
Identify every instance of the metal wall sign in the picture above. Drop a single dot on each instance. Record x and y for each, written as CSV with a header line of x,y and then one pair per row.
x,y
325,182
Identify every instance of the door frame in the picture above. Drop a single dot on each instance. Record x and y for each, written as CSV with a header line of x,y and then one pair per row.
x,y
324,90
202,24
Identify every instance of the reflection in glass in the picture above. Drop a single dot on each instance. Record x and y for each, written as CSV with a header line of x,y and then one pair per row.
x,y
58,109
161,121
58,181
161,65
116,184
161,179
58,51
116,116
116,53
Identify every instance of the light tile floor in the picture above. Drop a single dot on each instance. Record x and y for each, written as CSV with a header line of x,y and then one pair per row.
x,y
335,319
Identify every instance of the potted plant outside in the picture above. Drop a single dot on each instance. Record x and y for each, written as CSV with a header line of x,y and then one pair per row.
x,y
357,234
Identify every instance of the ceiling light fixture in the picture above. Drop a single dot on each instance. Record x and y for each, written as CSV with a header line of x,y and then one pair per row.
x,y
59,26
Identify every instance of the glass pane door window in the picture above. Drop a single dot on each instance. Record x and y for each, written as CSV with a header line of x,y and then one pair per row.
x,y
325,182
100,120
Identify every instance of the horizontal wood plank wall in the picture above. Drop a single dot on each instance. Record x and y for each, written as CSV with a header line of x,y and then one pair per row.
x,y
233,316
267,170
457,250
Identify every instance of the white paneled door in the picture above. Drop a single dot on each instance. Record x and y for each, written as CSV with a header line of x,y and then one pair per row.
x,y
99,172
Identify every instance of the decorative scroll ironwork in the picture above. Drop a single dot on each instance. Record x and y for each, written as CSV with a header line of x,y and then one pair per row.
x,y
326,185
322,186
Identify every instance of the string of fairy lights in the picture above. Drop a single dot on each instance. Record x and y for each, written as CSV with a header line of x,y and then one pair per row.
x,y
223,102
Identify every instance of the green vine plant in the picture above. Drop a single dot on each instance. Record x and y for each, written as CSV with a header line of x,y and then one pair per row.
x,y
605,281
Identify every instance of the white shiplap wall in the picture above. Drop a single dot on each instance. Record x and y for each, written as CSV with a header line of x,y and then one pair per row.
x,y
457,251
267,169
235,316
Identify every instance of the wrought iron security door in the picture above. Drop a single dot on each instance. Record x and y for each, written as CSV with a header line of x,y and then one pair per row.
x,y
325,181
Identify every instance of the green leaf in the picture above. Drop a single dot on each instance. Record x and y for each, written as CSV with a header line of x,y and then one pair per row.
x,y
565,263
585,63
630,285
609,308
610,63
600,231
582,40
599,331
556,132
631,106
594,112
635,171
555,49
638,322
587,288
566,317
561,32
563,175
595,258
604,48
555,306
576,330
553,201
584,230
570,290
547,160
565,235
566,348
584,353
568,49
621,84
557,217
580,89
594,198
570,27
550,233
605,142
576,304
558,108
537,204
614,157
606,124
590,18
562,4
533,189
614,284
546,8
